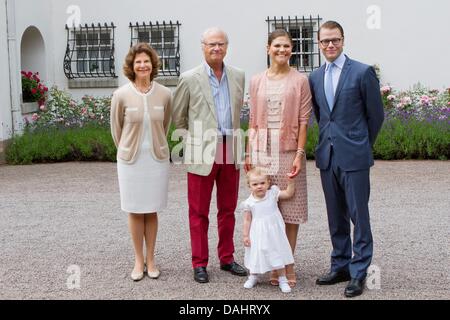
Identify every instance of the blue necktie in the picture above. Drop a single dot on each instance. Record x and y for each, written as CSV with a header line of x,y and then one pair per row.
x,y
329,91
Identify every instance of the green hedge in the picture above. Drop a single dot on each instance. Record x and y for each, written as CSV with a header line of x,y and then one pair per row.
x,y
397,140
413,140
91,143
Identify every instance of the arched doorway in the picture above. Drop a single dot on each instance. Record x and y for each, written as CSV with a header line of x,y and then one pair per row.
x,y
32,58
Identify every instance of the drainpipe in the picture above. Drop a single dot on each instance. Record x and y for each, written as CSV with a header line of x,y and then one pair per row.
x,y
15,88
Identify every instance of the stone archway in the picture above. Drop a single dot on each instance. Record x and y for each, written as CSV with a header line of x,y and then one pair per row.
x,y
32,57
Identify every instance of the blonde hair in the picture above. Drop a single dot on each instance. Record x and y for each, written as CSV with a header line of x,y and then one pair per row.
x,y
258,172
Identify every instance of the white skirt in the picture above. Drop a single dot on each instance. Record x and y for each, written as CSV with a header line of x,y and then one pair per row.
x,y
143,184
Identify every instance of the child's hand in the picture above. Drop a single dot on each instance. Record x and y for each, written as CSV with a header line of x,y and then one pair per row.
x,y
246,241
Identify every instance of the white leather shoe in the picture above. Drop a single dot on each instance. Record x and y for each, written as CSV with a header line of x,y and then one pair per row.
x,y
284,285
251,282
137,276
153,274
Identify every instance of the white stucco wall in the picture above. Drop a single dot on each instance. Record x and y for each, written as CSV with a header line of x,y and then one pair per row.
x,y
39,17
5,101
409,47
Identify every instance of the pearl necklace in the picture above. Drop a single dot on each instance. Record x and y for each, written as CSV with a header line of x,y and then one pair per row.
x,y
143,91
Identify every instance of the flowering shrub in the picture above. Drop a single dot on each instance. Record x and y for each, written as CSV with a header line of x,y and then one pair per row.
x,y
32,88
63,111
416,127
419,103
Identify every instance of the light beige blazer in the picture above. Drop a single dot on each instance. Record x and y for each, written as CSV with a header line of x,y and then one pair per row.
x,y
127,114
194,111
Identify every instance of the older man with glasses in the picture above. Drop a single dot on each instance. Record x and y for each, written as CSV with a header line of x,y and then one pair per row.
x,y
207,103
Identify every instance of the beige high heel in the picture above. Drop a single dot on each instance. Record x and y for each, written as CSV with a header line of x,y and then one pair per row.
x,y
292,279
274,278
291,276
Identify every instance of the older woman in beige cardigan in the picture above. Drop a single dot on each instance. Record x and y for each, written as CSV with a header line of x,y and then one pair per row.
x,y
280,107
140,118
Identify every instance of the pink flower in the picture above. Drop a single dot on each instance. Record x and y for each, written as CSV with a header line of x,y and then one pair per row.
x,y
35,117
42,107
386,89
406,100
83,110
391,97
425,100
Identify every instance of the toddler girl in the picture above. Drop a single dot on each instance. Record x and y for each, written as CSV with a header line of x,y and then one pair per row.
x,y
266,245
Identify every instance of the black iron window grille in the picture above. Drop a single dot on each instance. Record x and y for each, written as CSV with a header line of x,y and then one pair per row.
x,y
90,52
165,39
303,30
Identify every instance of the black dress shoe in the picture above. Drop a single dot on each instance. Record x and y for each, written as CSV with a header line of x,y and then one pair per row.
x,y
333,278
234,268
354,288
201,275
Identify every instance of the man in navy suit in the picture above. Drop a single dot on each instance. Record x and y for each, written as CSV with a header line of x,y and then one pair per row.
x,y
348,107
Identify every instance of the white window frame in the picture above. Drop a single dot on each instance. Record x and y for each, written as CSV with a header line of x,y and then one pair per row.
x,y
93,50
312,56
161,43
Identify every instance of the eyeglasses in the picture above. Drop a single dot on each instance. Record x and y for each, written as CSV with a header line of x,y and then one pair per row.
x,y
335,42
214,44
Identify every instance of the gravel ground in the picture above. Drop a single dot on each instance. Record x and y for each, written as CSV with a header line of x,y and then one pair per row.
x,y
54,216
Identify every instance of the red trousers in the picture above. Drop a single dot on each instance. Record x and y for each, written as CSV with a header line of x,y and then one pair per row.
x,y
199,197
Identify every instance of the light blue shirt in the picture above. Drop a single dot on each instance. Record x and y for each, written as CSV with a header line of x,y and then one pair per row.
x,y
221,95
336,72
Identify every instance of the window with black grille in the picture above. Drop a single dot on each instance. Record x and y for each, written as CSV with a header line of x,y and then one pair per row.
x,y
165,39
90,52
303,30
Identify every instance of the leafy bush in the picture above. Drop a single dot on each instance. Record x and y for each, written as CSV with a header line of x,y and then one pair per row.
x,y
90,143
413,139
419,103
62,111
416,127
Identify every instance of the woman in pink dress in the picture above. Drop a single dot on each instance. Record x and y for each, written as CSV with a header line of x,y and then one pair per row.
x,y
280,107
